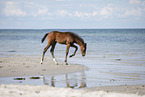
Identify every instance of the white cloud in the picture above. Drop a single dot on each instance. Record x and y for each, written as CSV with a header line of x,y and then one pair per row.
x,y
94,13
12,9
85,14
54,10
23,9
107,11
63,13
43,11
134,1
134,12
139,2
80,14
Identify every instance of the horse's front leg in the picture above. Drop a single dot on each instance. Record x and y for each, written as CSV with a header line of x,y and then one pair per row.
x,y
76,48
44,51
52,52
67,51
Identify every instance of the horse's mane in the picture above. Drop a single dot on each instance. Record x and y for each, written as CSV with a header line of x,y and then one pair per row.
x,y
76,36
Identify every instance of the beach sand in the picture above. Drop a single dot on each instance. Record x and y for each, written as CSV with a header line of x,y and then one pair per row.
x,y
46,91
16,66
30,65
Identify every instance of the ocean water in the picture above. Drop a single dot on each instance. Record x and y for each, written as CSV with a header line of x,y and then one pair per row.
x,y
114,56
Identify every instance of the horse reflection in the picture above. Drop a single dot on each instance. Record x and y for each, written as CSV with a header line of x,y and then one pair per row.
x,y
83,80
46,82
70,81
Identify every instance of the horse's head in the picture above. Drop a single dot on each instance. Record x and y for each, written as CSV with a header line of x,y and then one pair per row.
x,y
83,49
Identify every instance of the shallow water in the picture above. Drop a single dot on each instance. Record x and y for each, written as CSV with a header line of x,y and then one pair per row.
x,y
73,80
114,56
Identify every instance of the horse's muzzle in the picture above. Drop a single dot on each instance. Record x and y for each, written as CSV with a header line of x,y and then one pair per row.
x,y
83,55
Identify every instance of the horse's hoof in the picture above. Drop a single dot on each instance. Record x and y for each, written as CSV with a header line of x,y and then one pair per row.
x,y
71,56
41,62
66,63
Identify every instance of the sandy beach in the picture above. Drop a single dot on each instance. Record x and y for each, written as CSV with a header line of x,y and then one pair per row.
x,y
16,66
46,91
30,65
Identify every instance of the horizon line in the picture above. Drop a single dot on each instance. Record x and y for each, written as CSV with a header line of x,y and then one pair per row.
x,y
60,28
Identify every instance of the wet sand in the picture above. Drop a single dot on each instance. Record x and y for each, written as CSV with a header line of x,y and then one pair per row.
x,y
30,65
16,66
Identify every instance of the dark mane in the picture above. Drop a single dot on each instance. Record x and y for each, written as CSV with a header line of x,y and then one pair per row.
x,y
76,35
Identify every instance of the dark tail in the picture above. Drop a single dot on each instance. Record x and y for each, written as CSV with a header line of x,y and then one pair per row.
x,y
44,37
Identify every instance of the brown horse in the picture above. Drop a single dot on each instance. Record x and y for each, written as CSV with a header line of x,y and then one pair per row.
x,y
67,38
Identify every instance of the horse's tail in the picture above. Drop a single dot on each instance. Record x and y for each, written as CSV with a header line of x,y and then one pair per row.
x,y
44,37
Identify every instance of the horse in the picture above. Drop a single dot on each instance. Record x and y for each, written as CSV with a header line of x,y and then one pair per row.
x,y
67,38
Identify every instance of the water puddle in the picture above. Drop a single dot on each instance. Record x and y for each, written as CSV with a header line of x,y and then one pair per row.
x,y
72,80
101,75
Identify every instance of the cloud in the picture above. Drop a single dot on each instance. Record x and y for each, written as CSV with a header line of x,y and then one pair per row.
x,y
98,12
25,9
55,10
107,11
81,14
84,15
134,1
134,12
44,11
33,9
137,2
12,9
63,13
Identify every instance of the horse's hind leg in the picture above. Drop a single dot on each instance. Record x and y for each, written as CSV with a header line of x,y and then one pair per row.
x,y
44,51
52,52
76,48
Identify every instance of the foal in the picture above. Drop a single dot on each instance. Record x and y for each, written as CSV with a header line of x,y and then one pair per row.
x,y
67,38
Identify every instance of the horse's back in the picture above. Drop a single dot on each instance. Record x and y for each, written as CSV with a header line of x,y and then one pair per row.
x,y
61,37
51,36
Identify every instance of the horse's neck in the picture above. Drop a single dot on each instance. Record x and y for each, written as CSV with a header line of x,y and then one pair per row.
x,y
79,42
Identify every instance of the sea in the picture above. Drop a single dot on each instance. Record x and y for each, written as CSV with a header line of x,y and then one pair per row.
x,y
114,56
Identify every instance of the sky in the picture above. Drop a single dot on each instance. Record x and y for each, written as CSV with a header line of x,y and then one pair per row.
x,y
71,14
